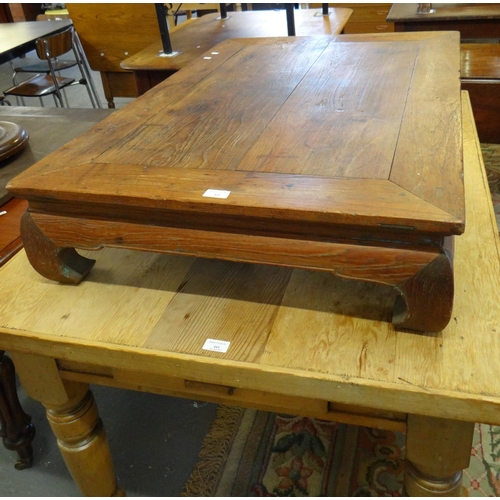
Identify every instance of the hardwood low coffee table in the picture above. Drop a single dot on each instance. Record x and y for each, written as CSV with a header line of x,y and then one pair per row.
x,y
341,155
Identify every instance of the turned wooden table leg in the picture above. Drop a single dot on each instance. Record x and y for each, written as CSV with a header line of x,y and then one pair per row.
x,y
16,430
55,263
74,419
437,451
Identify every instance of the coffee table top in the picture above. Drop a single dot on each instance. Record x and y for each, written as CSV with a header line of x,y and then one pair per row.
x,y
293,130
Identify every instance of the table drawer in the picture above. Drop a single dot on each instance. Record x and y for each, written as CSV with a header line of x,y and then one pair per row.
x,y
369,13
381,27
365,18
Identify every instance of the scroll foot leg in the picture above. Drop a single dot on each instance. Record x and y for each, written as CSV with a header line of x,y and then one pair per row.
x,y
437,451
17,430
55,263
425,302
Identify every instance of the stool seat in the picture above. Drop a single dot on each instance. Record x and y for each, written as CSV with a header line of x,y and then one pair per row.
x,y
39,86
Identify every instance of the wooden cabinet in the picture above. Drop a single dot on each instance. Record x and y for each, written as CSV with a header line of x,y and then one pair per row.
x,y
19,12
366,17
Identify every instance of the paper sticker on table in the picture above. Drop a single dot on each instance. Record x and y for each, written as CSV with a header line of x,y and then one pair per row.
x,y
216,193
216,345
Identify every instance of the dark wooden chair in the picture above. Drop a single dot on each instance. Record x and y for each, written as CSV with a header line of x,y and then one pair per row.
x,y
16,428
47,81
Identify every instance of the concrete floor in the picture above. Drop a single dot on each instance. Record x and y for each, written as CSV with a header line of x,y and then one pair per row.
x,y
154,439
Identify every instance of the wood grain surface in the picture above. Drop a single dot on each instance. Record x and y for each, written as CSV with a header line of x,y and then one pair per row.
x,y
310,142
198,35
222,120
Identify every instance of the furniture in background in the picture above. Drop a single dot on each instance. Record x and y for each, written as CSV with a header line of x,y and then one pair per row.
x,y
480,74
48,129
480,69
471,20
16,429
198,35
293,341
110,33
19,12
17,39
47,79
365,18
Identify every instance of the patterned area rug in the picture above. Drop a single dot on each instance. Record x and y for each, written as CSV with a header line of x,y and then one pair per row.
x,y
256,453
491,155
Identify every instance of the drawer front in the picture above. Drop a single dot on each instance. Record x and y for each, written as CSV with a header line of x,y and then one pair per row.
x,y
381,27
374,13
366,17
362,12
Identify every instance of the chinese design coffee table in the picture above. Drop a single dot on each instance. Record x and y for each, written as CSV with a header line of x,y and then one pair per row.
x,y
334,154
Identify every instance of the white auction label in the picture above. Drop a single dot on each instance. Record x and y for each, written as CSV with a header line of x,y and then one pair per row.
x,y
216,345
216,193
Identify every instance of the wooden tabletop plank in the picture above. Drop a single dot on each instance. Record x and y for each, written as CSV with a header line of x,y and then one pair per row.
x,y
235,303
357,340
142,287
430,137
339,98
229,107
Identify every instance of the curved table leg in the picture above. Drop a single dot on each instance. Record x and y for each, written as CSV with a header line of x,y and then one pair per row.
x,y
425,302
55,263
437,451
17,430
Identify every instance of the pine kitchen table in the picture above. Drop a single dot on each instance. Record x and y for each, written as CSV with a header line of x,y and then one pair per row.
x,y
296,341
342,155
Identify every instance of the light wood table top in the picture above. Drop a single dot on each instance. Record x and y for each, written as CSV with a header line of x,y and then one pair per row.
x,y
303,341
198,35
